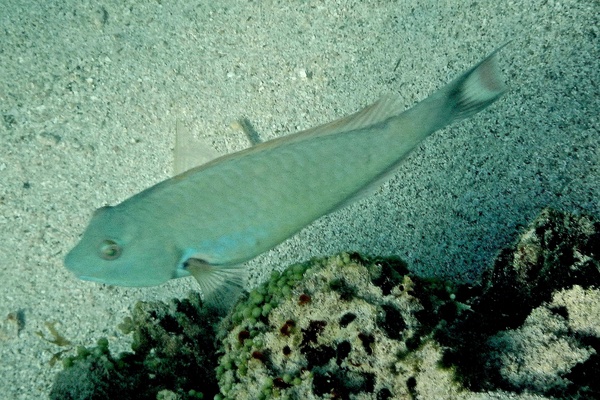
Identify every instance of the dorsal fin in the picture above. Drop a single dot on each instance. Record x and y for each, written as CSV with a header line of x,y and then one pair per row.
x,y
189,152
386,107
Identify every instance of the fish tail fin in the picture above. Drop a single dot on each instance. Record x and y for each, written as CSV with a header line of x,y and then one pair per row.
x,y
466,95
475,89
221,285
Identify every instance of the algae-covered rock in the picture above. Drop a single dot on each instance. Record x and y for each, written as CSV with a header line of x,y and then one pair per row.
x,y
351,327
173,355
523,335
341,327
91,374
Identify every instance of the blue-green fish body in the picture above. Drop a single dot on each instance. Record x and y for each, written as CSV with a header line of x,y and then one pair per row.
x,y
236,207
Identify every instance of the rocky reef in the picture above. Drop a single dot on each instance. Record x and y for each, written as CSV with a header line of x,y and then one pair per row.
x,y
173,357
354,327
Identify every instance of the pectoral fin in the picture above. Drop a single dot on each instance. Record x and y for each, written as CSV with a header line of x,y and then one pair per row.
x,y
221,285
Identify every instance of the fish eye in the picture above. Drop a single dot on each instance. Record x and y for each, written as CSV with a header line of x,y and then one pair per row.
x,y
110,250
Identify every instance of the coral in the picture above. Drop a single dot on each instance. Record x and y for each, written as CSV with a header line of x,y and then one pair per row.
x,y
521,335
338,327
173,351
547,350
351,327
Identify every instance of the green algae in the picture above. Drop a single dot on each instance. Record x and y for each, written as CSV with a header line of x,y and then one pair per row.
x,y
333,327
348,326
173,351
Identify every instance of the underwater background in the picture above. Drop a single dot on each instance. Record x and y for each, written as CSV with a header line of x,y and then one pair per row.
x,y
91,94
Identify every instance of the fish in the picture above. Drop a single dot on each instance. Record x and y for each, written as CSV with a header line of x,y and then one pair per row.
x,y
208,221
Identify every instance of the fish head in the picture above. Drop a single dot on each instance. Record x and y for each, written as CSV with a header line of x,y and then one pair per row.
x,y
116,249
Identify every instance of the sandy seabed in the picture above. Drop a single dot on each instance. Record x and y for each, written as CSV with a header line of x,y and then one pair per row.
x,y
91,93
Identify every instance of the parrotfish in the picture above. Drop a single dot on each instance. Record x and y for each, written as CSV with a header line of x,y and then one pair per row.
x,y
206,222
